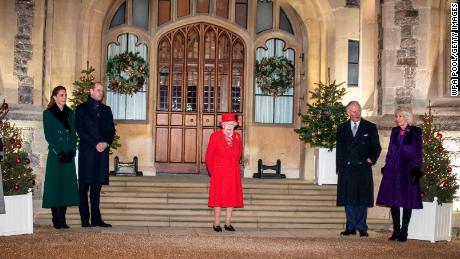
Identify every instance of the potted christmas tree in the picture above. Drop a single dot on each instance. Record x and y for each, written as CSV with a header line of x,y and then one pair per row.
x,y
319,126
438,187
17,180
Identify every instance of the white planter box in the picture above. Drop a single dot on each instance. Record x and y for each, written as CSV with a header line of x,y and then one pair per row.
x,y
432,223
325,166
19,215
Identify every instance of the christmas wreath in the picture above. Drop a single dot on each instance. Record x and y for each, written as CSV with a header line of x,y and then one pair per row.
x,y
274,75
127,72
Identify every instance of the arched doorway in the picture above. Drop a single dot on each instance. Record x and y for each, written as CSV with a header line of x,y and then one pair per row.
x,y
200,76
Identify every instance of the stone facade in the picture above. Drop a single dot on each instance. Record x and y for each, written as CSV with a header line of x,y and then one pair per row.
x,y
395,68
406,17
23,50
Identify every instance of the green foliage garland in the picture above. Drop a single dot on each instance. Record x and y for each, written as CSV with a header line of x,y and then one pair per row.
x,y
439,180
274,75
16,171
319,123
127,72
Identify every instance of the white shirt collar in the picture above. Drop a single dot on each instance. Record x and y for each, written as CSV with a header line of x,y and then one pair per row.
x,y
353,123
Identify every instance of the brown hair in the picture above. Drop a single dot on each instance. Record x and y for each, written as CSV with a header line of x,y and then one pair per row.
x,y
55,93
93,84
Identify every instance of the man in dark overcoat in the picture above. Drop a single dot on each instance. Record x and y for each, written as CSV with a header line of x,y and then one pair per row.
x,y
95,127
358,148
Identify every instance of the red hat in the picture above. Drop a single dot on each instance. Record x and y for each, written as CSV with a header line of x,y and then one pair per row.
x,y
228,117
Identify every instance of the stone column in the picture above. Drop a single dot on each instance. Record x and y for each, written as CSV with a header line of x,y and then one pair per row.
x,y
23,50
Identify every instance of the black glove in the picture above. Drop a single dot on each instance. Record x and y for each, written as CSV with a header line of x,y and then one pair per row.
x,y
382,170
71,154
64,157
416,174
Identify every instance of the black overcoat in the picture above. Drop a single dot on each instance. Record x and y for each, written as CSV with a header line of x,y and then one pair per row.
x,y
94,127
355,185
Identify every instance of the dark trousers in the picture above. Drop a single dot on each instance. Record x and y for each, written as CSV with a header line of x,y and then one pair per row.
x,y
396,216
94,197
356,217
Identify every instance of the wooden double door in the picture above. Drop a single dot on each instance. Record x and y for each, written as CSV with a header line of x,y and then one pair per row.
x,y
200,76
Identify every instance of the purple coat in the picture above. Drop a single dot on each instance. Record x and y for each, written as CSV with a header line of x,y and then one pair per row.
x,y
404,153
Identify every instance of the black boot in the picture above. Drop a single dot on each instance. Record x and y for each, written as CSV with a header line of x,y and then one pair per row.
x,y
63,210
396,226
56,218
407,213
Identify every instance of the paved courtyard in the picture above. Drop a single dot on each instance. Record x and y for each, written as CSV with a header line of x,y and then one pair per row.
x,y
155,242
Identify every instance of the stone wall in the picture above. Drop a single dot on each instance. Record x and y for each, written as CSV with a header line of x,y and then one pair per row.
x,y
23,50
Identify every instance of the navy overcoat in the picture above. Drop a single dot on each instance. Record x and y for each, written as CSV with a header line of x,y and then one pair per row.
x,y
94,123
355,185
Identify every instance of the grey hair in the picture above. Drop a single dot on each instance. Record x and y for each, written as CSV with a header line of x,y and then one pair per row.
x,y
351,103
405,112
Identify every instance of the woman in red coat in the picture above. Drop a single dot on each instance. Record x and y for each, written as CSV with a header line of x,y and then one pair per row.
x,y
223,162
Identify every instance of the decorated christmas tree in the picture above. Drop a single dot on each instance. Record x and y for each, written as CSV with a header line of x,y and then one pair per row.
x,y
81,92
439,180
16,171
323,116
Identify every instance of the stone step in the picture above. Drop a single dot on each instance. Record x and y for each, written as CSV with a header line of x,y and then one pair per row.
x,y
181,201
206,221
150,189
201,182
205,196
160,206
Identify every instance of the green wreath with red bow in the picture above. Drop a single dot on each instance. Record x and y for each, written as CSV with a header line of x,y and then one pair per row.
x,y
127,72
275,75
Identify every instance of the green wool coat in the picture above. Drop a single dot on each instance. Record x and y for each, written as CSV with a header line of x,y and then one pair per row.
x,y
60,188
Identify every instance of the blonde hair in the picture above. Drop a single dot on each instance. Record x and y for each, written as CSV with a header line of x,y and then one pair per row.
x,y
405,112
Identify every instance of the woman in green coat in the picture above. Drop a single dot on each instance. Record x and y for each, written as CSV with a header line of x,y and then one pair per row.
x,y
60,188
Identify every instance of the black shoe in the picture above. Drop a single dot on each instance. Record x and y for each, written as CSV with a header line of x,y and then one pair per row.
x,y
363,233
56,218
394,236
85,224
57,225
62,212
348,232
101,224
229,228
402,237
217,228
64,225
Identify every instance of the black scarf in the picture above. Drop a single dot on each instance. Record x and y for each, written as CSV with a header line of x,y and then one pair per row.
x,y
62,116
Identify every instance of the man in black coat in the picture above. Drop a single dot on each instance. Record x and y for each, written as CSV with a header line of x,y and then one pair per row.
x,y
358,148
95,127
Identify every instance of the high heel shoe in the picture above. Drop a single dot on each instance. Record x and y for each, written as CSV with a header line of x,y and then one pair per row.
x,y
217,228
229,228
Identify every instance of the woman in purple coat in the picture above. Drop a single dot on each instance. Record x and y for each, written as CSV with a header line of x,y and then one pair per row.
x,y
400,187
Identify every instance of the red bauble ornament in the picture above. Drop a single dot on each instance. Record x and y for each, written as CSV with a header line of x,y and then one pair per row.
x,y
18,145
430,168
449,169
18,160
439,136
423,194
445,184
16,187
440,149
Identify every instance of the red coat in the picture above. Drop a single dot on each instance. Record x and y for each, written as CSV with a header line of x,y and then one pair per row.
x,y
223,162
